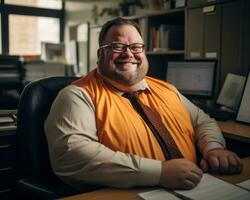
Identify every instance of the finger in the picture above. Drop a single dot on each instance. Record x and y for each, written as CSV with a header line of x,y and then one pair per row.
x,y
239,166
187,184
214,163
233,164
223,165
204,165
197,171
194,178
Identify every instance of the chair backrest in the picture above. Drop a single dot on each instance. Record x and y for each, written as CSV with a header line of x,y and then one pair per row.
x,y
33,108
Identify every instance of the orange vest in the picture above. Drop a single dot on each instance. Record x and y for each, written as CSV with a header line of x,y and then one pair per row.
x,y
121,128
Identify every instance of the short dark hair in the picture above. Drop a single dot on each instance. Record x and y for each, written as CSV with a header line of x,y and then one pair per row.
x,y
116,22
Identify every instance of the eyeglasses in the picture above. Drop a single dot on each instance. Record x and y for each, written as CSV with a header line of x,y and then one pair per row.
x,y
120,47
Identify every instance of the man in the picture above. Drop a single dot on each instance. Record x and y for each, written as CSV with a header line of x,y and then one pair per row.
x,y
96,135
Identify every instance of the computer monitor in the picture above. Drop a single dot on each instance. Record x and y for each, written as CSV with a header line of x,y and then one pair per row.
x,y
193,78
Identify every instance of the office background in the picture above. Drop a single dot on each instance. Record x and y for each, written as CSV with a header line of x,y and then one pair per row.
x,y
44,38
66,32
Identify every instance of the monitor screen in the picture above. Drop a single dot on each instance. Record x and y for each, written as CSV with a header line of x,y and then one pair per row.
x,y
192,78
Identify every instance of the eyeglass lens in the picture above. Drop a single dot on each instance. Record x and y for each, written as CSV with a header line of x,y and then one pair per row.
x,y
134,48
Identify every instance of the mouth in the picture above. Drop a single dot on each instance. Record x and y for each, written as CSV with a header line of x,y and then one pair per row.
x,y
127,62
127,65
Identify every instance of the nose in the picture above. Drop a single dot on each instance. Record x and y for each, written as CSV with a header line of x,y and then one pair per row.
x,y
128,52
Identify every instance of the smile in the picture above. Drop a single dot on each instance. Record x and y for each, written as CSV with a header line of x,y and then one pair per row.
x,y
127,62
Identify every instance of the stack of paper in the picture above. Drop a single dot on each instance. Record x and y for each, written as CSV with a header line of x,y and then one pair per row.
x,y
210,188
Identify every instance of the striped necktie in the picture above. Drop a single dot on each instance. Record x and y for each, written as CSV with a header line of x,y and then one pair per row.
x,y
155,124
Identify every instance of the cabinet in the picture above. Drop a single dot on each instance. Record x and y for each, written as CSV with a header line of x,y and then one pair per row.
x,y
232,38
11,81
7,156
166,32
203,32
195,3
163,34
217,32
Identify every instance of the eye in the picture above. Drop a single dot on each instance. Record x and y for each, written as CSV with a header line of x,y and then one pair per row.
x,y
118,47
137,47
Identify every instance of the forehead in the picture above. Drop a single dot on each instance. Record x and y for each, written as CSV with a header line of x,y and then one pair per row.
x,y
123,33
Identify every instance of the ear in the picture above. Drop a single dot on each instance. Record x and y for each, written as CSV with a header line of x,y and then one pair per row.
x,y
98,53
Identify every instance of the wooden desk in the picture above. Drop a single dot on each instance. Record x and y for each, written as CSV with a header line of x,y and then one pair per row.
x,y
235,131
131,194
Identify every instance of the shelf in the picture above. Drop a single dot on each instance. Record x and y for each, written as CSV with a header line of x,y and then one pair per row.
x,y
169,12
155,13
169,52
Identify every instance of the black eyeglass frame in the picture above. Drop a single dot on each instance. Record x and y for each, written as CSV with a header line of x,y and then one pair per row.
x,y
124,47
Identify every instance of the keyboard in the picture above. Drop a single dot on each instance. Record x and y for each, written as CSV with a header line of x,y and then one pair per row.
x,y
219,114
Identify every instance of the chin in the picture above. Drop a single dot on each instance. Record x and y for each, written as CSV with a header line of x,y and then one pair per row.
x,y
129,78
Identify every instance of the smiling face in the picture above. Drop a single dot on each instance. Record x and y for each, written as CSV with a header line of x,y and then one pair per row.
x,y
125,67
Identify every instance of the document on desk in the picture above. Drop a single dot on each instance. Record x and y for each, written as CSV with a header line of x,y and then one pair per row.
x,y
158,194
210,188
245,184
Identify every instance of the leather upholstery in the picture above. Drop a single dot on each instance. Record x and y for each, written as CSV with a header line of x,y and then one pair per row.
x,y
35,176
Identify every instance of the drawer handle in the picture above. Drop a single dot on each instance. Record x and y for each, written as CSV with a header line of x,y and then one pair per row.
x,y
5,169
4,191
6,146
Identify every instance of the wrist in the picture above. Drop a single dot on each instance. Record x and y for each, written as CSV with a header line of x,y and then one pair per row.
x,y
212,146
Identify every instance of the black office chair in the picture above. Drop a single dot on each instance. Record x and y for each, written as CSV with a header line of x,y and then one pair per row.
x,y
35,177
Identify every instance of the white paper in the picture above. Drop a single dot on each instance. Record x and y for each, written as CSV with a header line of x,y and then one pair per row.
x,y
245,184
210,188
231,91
244,110
159,194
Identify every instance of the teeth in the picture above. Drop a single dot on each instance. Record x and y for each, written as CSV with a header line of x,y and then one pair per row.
x,y
127,62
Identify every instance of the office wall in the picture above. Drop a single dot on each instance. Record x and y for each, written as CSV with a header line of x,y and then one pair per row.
x,y
81,11
78,12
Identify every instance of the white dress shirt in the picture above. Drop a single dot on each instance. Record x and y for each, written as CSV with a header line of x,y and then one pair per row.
x,y
78,158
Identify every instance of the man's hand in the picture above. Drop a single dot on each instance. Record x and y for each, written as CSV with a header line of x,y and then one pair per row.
x,y
222,161
180,174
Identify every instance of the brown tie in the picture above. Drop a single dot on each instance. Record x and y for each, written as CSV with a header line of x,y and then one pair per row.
x,y
154,122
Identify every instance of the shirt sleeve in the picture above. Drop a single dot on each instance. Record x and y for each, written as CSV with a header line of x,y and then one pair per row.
x,y
77,156
208,135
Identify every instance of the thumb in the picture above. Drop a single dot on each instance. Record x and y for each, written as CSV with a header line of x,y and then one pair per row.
x,y
204,165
